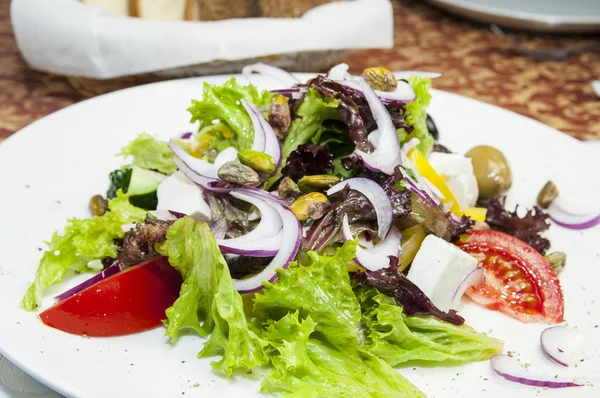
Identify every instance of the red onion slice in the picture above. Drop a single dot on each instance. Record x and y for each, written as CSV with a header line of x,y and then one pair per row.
x,y
285,77
228,154
272,146
259,134
114,268
256,241
567,346
403,94
204,182
512,370
167,215
377,257
267,247
472,278
199,166
386,156
291,236
293,93
565,215
376,195
339,72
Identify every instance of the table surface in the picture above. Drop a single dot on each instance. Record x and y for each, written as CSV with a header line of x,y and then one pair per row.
x,y
474,62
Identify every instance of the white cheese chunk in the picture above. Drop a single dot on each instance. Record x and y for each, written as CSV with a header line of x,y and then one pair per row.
x,y
457,171
178,193
439,268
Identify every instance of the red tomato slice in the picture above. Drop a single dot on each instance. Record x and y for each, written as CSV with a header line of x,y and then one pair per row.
x,y
131,301
517,279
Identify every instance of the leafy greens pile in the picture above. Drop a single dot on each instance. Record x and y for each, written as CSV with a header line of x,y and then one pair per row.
x,y
322,332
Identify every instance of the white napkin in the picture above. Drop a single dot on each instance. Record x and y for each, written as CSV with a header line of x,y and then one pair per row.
x,y
70,38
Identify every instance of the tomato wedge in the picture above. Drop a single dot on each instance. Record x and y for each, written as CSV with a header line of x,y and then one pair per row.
x,y
517,279
130,301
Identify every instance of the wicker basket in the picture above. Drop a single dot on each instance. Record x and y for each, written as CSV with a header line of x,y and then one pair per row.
x,y
311,61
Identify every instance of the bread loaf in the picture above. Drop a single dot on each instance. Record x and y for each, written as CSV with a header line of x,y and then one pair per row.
x,y
288,8
116,7
164,9
207,10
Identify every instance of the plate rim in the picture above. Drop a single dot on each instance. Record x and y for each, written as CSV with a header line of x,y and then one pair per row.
x,y
70,391
524,20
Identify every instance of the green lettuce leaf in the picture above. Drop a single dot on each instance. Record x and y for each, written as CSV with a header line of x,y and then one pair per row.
x,y
417,114
224,103
208,290
398,338
150,153
320,290
314,109
81,242
307,366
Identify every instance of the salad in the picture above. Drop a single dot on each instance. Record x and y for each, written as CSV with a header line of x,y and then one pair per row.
x,y
320,230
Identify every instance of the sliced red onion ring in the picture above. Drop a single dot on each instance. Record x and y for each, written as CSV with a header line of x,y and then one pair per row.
x,y
293,93
283,76
204,182
405,74
567,346
377,257
186,136
512,370
564,215
113,269
339,72
376,195
386,156
256,242
267,247
259,133
272,146
472,278
291,236
167,215
403,94
198,166
226,155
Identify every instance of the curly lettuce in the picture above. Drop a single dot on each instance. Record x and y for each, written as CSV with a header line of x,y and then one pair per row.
x,y
208,290
397,338
307,365
417,114
223,103
149,153
82,241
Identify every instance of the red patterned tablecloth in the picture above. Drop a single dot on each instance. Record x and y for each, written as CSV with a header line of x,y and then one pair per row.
x,y
475,63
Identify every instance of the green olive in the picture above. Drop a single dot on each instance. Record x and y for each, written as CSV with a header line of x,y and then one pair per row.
x,y
491,171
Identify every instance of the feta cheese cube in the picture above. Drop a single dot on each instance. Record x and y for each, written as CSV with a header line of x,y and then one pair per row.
x,y
438,269
457,171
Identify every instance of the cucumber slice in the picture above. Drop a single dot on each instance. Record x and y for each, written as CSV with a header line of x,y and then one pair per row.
x,y
144,181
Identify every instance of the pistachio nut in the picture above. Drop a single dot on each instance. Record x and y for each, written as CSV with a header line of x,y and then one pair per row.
x,y
258,161
236,173
547,195
98,205
317,183
557,260
288,190
313,205
380,79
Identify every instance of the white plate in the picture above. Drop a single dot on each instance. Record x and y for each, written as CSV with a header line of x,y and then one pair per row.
x,y
568,16
50,169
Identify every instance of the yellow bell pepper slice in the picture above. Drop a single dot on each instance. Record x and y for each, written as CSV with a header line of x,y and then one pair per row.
x,y
476,213
426,170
